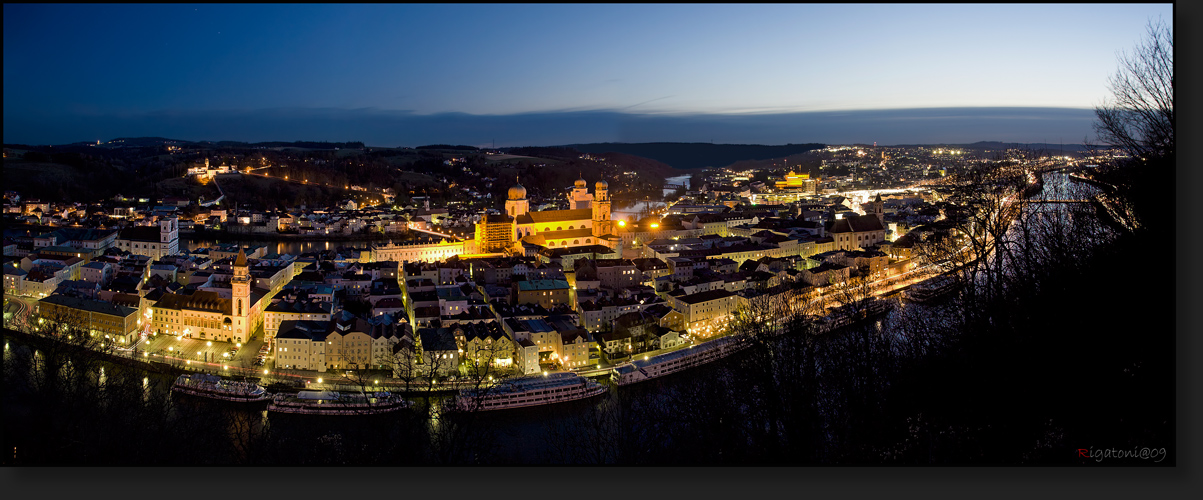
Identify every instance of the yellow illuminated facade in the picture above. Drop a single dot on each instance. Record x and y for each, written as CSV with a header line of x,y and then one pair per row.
x,y
794,181
587,223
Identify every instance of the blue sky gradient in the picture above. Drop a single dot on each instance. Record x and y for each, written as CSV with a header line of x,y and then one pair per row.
x,y
404,74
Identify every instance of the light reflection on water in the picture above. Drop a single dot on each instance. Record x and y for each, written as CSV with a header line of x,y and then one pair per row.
x,y
684,180
282,247
636,209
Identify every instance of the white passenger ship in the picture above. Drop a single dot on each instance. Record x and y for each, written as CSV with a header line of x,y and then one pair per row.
x,y
527,391
675,361
213,386
334,403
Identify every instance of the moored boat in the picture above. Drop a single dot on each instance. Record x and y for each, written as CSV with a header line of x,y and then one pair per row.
x,y
334,403
671,362
931,289
527,391
215,387
850,314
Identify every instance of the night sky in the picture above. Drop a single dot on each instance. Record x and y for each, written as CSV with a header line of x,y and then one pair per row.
x,y
406,75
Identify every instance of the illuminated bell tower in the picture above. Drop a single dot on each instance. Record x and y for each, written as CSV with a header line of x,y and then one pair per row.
x,y
516,204
580,197
602,224
879,210
240,306
169,236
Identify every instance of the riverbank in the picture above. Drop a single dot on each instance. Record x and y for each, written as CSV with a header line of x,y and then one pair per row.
x,y
208,234
111,357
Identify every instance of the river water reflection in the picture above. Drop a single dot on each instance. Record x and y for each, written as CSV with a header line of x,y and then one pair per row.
x,y
637,209
280,247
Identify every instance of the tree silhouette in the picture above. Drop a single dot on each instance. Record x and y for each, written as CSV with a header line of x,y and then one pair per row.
x,y
1139,116
1138,121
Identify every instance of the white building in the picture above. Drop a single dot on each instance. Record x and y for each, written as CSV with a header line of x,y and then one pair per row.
x,y
150,241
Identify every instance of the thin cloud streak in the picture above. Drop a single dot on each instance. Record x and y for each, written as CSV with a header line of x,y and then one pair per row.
x,y
645,102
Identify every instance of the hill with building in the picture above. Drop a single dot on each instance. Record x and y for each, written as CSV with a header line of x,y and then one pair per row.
x,y
694,155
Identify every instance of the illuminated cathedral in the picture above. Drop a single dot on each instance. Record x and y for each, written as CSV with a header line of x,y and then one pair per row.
x,y
586,222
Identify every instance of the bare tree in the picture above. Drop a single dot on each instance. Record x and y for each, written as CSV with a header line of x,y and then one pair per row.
x,y
977,245
405,364
1138,121
459,436
482,357
1139,116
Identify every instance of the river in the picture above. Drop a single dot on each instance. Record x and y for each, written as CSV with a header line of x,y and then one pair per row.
x,y
1059,186
638,208
280,246
680,180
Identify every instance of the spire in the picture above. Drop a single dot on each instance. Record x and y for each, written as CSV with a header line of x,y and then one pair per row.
x,y
241,260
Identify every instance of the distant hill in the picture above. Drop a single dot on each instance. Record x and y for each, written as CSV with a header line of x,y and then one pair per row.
x,y
639,164
1034,146
559,152
692,155
144,141
128,142
449,147
293,144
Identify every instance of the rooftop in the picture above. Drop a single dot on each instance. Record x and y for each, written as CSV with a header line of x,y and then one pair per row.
x,y
701,297
95,306
526,286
